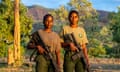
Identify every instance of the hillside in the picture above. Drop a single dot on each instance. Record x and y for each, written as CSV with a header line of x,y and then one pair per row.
x,y
103,16
37,13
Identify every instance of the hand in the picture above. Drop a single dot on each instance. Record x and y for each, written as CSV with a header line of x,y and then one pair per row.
x,y
40,49
59,68
88,63
73,47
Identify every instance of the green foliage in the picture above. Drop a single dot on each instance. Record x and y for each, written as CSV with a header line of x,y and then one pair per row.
x,y
100,37
97,51
2,49
60,15
89,19
116,51
84,7
115,30
7,25
109,50
115,25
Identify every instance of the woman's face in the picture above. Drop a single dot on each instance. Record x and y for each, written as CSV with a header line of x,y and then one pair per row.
x,y
49,22
74,18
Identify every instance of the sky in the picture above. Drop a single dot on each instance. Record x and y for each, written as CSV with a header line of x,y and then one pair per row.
x,y
106,5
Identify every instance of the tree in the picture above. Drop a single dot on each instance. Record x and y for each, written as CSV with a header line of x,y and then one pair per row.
x,y
88,18
7,26
17,54
60,15
115,25
115,29
84,7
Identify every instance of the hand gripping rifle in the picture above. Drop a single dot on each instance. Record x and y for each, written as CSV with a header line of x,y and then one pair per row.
x,y
79,53
38,40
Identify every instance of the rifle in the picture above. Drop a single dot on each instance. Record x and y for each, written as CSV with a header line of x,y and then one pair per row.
x,y
38,41
79,53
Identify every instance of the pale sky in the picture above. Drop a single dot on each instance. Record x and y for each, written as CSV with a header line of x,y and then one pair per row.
x,y
107,5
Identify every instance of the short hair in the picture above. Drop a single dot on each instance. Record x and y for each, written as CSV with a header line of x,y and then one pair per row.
x,y
72,11
46,16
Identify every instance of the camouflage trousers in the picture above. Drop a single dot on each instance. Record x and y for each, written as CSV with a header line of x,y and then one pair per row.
x,y
43,65
70,65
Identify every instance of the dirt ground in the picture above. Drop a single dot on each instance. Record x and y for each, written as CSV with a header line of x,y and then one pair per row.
x,y
95,66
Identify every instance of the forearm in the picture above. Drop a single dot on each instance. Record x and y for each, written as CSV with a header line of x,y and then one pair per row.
x,y
58,57
85,53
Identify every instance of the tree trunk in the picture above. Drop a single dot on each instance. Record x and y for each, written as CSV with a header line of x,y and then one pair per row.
x,y
17,55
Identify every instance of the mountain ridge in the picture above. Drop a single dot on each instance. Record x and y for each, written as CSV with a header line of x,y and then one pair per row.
x,y
37,12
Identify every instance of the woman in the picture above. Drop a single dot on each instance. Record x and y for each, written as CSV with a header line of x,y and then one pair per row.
x,y
51,39
70,48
